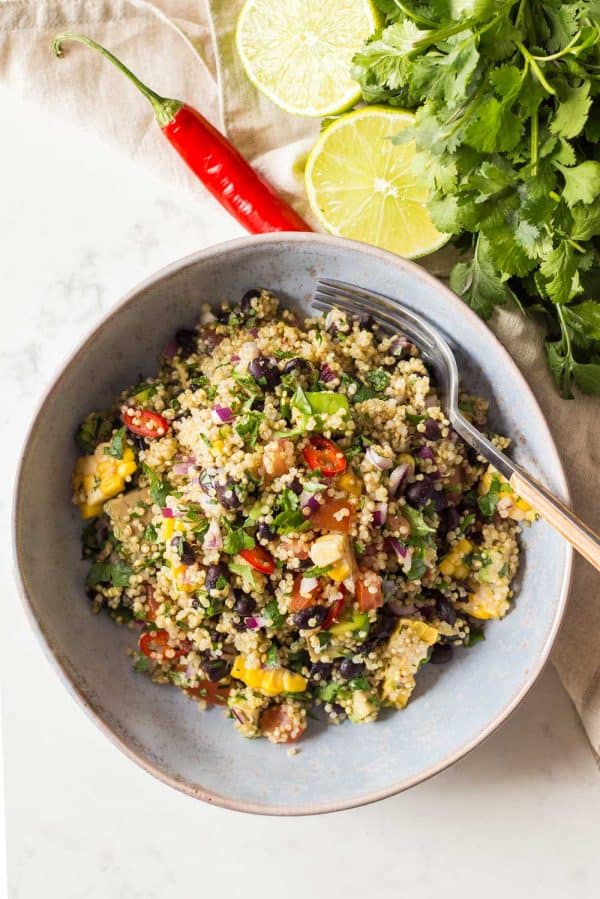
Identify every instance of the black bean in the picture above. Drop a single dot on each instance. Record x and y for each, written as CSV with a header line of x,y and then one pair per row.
x,y
439,500
296,486
227,496
320,672
449,520
299,366
313,616
365,321
350,669
265,372
446,611
214,573
186,553
222,314
420,492
187,340
246,301
440,654
264,532
195,603
338,710
216,669
432,429
381,629
244,605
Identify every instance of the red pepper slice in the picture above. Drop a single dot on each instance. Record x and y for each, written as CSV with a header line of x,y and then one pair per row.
x,y
144,423
155,643
323,454
213,694
259,558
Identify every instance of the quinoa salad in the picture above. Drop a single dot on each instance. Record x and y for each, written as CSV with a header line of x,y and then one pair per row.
x,y
285,517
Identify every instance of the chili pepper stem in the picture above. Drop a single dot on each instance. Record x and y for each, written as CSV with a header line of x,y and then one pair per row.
x,y
165,109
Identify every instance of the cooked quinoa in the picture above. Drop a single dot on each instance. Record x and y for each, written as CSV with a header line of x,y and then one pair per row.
x,y
286,515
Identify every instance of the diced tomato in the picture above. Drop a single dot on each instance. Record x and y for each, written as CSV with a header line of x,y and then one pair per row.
x,y
278,457
259,558
213,694
335,611
369,594
323,454
301,601
280,725
155,643
144,423
334,515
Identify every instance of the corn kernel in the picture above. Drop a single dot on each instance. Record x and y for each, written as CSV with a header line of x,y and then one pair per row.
x,y
350,483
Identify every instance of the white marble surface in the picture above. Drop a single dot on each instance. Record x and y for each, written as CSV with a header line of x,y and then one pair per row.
x,y
520,816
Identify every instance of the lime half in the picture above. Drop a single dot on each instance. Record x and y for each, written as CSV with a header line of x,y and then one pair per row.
x,y
361,185
299,52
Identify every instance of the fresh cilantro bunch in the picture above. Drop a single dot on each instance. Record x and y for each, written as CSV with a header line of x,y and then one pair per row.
x,y
507,133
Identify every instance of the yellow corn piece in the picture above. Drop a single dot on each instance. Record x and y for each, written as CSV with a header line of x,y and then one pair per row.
x,y
269,681
350,483
407,459
452,564
99,477
487,601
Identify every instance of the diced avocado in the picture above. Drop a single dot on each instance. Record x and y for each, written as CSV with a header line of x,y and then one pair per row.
x,y
358,622
361,707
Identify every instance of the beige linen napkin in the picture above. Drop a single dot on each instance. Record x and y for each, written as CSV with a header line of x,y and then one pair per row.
x,y
185,49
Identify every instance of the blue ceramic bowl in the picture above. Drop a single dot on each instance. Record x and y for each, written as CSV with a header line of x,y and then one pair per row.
x,y
454,707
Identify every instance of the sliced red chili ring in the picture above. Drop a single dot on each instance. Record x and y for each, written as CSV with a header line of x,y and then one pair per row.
x,y
144,423
259,558
323,454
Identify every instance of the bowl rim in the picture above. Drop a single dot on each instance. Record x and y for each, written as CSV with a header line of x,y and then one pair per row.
x,y
61,664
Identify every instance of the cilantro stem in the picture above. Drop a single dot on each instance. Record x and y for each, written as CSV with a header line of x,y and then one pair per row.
x,y
560,53
535,68
411,14
438,36
535,131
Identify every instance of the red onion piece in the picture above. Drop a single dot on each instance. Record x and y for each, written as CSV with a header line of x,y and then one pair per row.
x,y
253,623
377,460
168,513
397,479
326,374
234,358
213,538
309,502
221,415
398,548
424,452
380,514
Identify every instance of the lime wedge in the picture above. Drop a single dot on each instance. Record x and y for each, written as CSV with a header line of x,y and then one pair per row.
x,y
361,185
299,53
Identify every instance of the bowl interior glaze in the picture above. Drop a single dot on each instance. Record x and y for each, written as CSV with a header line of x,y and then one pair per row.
x,y
454,706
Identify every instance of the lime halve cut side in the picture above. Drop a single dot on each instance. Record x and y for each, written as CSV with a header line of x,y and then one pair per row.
x,y
361,185
299,52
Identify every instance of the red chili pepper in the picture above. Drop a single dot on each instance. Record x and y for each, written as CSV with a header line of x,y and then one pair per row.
x,y
144,423
221,168
323,454
259,558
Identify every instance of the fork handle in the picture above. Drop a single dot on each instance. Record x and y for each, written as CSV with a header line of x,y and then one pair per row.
x,y
552,510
